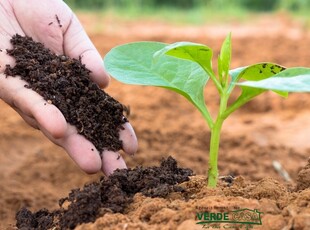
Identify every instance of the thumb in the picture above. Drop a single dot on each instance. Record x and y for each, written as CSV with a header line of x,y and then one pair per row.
x,y
54,24
78,44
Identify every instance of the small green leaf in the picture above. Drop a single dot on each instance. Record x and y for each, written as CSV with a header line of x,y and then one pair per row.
x,y
290,80
133,64
195,52
262,71
255,73
220,70
224,59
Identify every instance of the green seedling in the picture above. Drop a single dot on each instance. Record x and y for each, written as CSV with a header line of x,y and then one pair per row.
x,y
186,67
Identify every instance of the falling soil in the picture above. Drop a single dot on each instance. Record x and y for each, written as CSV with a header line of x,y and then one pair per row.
x,y
109,195
65,82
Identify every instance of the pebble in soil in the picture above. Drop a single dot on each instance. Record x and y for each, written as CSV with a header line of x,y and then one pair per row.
x,y
66,83
112,194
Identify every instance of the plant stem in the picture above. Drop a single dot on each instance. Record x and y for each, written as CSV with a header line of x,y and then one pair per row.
x,y
214,149
215,142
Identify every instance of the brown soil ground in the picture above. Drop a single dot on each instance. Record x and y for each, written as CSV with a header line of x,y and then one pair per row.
x,y
35,173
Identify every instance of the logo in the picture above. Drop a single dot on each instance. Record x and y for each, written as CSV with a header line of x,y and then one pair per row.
x,y
240,218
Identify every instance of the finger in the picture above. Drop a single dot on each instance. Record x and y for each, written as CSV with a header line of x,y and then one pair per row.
x,y
29,120
53,23
112,161
31,104
82,151
5,59
129,139
8,26
77,44
38,19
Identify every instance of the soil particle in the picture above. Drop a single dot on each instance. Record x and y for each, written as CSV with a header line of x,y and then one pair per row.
x,y
301,222
265,188
273,222
228,179
109,195
58,20
65,82
268,188
303,178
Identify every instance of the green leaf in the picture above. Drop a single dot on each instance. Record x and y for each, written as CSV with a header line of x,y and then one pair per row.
x,y
133,64
262,71
254,73
195,52
220,70
295,79
224,59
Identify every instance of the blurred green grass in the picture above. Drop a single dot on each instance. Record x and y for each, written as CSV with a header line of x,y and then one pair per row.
x,y
193,11
194,16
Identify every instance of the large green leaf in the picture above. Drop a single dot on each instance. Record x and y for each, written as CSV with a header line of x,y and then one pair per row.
x,y
133,63
195,52
290,80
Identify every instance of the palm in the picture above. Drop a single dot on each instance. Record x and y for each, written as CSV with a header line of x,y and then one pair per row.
x,y
52,23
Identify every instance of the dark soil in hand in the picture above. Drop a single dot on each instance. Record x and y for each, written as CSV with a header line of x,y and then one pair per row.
x,y
65,83
108,195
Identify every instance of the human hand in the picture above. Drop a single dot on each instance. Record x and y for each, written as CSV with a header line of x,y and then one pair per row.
x,y
64,36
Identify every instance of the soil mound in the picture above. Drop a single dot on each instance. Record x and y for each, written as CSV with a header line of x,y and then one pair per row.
x,y
303,178
108,195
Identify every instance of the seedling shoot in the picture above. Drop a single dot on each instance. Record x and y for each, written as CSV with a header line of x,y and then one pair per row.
x,y
186,67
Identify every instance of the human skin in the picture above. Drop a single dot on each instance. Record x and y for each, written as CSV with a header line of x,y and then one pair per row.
x,y
33,18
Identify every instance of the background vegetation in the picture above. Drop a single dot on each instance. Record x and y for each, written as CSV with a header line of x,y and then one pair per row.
x,y
253,5
193,11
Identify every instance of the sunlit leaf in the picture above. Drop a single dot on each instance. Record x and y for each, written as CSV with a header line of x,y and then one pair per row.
x,y
290,80
254,73
133,64
195,52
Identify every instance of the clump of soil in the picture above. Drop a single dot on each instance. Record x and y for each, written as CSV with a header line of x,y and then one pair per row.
x,y
109,195
65,83
280,207
303,179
